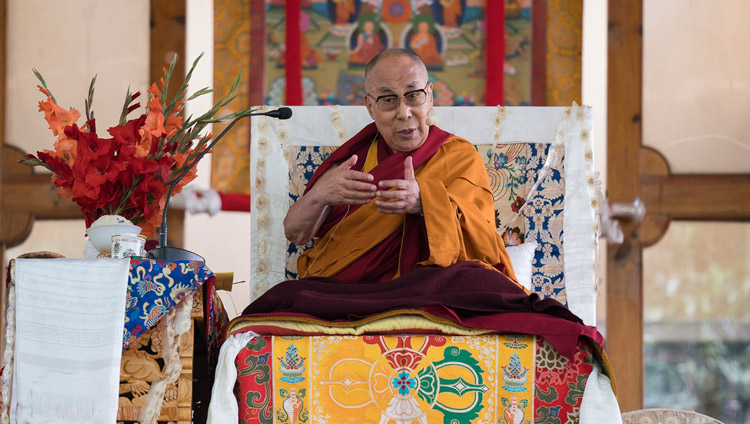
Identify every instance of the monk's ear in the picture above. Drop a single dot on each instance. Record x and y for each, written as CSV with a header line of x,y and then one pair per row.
x,y
370,104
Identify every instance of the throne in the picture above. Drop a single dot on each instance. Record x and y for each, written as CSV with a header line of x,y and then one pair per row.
x,y
539,162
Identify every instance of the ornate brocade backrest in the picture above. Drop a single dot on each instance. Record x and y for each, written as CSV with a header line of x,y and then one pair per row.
x,y
539,162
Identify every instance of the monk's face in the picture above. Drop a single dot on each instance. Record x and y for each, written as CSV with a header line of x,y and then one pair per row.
x,y
405,127
369,27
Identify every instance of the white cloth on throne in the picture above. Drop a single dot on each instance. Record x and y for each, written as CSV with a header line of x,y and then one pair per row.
x,y
68,340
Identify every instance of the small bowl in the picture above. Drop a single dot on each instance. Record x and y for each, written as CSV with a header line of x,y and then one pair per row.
x,y
101,235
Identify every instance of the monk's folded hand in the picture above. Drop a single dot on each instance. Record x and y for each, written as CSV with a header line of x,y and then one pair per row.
x,y
343,186
400,196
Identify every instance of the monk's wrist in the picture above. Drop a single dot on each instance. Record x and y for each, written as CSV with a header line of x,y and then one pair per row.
x,y
316,200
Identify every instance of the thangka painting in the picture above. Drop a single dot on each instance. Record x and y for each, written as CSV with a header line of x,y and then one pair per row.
x,y
542,49
339,37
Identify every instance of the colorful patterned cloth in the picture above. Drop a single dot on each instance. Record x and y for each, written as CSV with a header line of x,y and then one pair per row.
x,y
154,288
505,379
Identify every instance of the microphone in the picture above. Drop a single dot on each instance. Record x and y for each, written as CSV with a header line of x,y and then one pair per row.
x,y
281,113
169,253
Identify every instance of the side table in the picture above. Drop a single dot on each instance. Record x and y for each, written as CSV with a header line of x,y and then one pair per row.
x,y
173,328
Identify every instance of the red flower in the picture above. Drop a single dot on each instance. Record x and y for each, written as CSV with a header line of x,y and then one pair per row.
x,y
128,134
130,173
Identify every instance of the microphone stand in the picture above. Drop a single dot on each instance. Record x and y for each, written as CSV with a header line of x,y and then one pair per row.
x,y
170,253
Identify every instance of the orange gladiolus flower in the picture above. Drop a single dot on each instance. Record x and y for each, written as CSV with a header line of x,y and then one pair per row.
x,y
57,117
65,148
154,124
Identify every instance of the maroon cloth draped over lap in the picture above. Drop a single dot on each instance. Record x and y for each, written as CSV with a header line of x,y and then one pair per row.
x,y
466,293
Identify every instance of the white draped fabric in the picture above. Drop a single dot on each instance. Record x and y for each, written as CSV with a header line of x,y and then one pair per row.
x,y
223,408
69,317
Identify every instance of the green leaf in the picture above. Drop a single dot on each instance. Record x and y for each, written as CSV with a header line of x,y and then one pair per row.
x,y
200,92
236,83
34,162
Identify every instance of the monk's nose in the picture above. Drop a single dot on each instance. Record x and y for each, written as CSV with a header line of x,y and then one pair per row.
x,y
403,111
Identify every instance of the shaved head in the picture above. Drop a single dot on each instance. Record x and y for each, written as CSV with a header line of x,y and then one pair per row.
x,y
390,53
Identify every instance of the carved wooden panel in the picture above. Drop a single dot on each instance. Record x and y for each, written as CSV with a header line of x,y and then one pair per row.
x,y
142,365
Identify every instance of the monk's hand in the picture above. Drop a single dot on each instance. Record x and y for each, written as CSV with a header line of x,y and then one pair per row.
x,y
344,186
400,196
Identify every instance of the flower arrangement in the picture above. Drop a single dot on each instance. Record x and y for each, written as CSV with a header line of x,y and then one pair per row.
x,y
129,173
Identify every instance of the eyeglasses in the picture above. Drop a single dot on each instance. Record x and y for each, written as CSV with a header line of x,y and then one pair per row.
x,y
412,98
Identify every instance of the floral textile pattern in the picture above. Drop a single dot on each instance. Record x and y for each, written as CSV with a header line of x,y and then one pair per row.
x,y
543,218
131,173
404,383
559,383
506,169
301,169
154,288
254,379
513,236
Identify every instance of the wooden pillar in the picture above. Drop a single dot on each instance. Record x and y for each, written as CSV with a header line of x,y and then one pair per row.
x,y
3,55
624,262
3,59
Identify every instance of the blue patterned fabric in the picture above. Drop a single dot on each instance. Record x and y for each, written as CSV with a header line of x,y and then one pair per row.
x,y
544,224
307,160
154,288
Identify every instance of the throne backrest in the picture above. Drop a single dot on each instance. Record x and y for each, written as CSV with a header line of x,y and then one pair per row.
x,y
539,162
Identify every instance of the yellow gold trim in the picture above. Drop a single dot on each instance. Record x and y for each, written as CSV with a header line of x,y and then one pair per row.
x,y
391,320
371,161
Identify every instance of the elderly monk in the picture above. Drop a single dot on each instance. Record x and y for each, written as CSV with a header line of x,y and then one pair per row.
x,y
401,194
407,208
